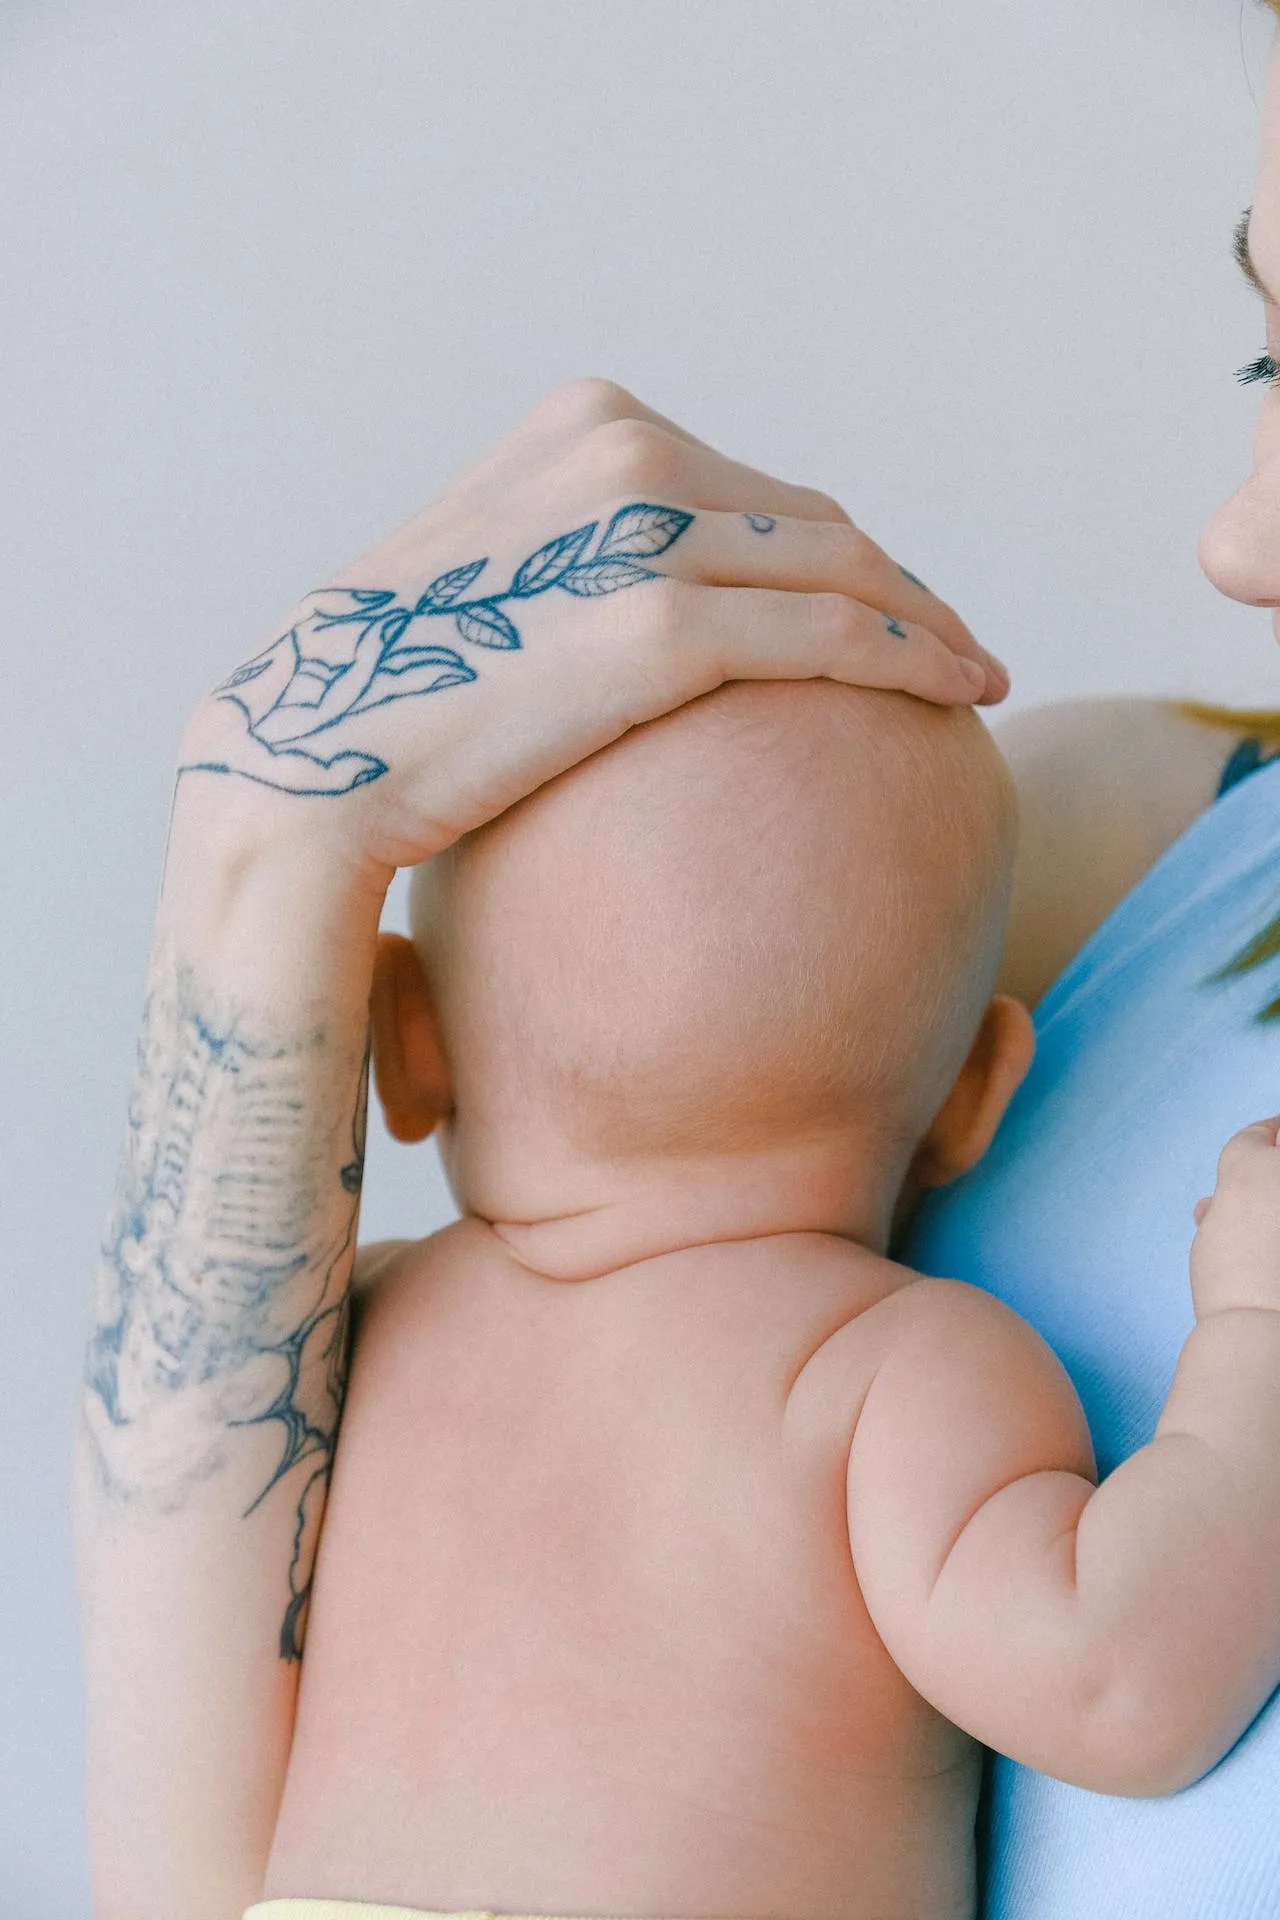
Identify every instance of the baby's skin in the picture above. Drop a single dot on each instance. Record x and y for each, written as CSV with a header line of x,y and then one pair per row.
x,y
586,1635
682,1547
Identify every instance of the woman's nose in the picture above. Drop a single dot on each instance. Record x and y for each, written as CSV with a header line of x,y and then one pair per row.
x,y
1239,549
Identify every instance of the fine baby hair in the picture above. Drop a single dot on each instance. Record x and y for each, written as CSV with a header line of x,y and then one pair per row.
x,y
772,911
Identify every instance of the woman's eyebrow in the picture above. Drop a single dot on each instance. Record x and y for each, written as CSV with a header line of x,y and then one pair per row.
x,y
1244,259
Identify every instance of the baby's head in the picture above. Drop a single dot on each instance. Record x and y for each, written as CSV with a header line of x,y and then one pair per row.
x,y
773,914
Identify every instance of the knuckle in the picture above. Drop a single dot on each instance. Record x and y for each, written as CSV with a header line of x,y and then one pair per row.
x,y
588,401
661,605
834,616
1248,1163
631,453
850,546
650,613
827,506
928,669
672,653
665,632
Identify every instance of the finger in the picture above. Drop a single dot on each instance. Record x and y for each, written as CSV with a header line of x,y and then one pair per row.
x,y
580,405
767,550
647,462
758,633
738,484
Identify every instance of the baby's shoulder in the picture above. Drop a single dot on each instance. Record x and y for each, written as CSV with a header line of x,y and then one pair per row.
x,y
382,1267
928,1312
374,1259
894,1312
904,1297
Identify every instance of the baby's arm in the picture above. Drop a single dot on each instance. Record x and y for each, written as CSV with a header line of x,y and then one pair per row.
x,y
1120,1637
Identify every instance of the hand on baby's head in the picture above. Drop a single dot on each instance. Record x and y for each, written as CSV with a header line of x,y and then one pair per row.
x,y
774,908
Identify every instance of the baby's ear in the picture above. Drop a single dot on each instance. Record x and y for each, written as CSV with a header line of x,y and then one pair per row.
x,y
966,1123
409,1067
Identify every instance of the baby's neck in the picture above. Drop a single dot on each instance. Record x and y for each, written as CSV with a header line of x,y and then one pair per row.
x,y
637,1211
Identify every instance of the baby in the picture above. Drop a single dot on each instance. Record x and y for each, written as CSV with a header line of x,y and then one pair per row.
x,y
681,1546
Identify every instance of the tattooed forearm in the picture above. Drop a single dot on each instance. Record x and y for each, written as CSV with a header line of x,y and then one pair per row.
x,y
356,648
221,1301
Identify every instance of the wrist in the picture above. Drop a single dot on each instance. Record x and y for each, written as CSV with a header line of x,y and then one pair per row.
x,y
250,811
264,901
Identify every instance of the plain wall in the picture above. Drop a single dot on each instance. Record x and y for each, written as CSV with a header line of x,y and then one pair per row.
x,y
272,272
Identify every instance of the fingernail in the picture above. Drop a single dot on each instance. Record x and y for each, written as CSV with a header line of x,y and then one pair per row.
x,y
974,674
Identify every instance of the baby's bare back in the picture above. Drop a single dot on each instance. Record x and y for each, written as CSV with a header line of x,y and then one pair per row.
x,y
586,1636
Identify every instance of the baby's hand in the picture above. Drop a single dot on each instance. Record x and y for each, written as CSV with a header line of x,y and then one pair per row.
x,y
1235,1259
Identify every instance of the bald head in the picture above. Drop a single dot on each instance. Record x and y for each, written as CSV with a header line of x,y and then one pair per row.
x,y
775,910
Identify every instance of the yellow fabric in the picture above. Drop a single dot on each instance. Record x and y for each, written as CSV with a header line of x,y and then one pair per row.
x,y
359,1910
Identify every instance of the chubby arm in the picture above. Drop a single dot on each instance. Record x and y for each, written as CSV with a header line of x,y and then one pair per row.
x,y
1118,1637
1104,786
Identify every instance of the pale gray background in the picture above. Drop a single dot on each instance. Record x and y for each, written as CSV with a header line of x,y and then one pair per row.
x,y
271,273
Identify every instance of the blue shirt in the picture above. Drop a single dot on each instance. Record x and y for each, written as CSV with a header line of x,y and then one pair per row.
x,y
1081,1219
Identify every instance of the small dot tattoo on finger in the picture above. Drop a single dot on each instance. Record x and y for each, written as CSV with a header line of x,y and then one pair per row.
x,y
760,522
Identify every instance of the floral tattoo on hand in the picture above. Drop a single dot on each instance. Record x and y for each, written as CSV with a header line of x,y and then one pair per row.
x,y
356,648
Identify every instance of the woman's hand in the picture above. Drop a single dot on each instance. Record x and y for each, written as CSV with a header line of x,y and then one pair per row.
x,y
597,568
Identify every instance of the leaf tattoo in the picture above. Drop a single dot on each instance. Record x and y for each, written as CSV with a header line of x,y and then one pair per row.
x,y
450,587
642,531
484,626
550,563
605,576
348,653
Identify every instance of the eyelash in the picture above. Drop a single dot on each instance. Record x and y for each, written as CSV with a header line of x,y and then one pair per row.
x,y
1263,368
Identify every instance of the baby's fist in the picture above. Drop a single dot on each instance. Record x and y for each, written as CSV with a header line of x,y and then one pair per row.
x,y
1235,1258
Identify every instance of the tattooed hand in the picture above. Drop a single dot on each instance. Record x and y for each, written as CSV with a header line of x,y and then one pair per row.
x,y
597,568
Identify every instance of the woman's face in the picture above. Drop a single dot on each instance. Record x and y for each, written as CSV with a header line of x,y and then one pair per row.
x,y
1240,547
